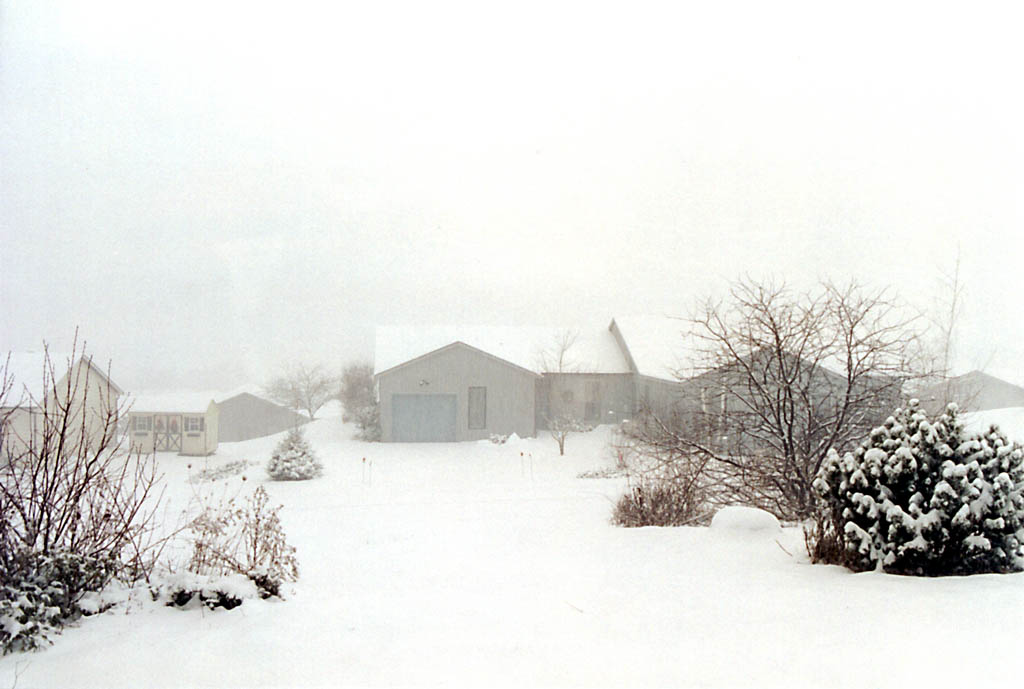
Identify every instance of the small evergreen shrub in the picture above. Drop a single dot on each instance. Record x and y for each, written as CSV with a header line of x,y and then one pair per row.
x,y
39,593
367,419
294,459
660,503
923,497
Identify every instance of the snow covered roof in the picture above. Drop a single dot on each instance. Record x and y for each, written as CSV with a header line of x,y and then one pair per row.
x,y
251,388
25,372
659,345
592,350
189,402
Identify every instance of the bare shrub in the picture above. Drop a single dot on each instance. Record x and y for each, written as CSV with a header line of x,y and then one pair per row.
x,y
668,485
246,539
76,508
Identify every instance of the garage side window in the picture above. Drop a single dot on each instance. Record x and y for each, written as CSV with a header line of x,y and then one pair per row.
x,y
477,408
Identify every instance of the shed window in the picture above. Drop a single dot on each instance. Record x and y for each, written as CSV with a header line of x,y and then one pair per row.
x,y
142,423
194,423
477,408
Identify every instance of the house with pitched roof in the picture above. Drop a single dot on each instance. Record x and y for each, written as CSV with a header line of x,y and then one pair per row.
x,y
46,385
451,383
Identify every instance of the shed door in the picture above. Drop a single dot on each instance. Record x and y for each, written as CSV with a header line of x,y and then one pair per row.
x,y
423,418
167,432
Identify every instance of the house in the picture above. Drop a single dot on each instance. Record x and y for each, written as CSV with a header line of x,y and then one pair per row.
x,y
245,415
445,383
53,386
185,423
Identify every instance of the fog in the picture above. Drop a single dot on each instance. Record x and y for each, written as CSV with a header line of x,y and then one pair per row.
x,y
211,191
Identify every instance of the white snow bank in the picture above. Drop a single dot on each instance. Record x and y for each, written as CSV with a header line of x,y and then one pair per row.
x,y
745,520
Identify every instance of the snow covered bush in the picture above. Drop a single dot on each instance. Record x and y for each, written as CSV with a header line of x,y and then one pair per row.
x,y
247,540
40,592
294,459
185,588
923,497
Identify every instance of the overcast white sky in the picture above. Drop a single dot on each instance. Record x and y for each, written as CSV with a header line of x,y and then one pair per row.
x,y
211,190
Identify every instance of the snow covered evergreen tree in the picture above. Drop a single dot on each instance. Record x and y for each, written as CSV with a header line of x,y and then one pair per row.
x,y
926,497
294,459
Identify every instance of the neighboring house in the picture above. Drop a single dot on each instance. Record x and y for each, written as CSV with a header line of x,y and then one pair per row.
x,y
185,423
245,415
80,389
445,383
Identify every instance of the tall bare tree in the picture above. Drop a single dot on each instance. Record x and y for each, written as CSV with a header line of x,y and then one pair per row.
x,y
305,387
785,377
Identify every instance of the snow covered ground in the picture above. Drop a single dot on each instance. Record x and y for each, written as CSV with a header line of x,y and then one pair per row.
x,y
474,564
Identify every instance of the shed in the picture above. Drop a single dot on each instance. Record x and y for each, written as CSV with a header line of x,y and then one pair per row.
x,y
244,415
185,423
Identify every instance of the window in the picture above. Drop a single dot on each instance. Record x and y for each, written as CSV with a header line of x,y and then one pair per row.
x,y
142,423
194,423
567,396
477,408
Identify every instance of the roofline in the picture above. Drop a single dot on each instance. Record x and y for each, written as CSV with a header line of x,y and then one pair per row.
x,y
449,346
101,373
620,340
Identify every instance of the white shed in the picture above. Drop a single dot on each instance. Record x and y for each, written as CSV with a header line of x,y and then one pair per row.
x,y
185,423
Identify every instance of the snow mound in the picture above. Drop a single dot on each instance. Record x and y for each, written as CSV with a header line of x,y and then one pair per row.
x,y
745,520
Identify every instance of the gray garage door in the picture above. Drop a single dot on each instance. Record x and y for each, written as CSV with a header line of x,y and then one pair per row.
x,y
423,418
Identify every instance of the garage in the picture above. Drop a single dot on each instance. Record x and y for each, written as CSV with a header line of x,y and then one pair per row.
x,y
423,418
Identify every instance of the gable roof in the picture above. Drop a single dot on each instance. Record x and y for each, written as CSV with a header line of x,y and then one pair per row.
x,y
658,346
452,346
593,349
25,373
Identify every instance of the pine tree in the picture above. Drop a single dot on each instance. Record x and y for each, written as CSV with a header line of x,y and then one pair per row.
x,y
294,459
923,497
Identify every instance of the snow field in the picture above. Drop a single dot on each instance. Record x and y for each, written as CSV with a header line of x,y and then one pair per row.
x,y
472,565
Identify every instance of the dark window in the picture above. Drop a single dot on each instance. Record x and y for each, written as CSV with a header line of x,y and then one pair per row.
x,y
477,408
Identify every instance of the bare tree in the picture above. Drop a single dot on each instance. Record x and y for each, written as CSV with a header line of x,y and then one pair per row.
x,y
785,378
558,363
303,387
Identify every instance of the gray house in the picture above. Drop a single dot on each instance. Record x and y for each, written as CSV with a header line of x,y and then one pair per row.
x,y
445,383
